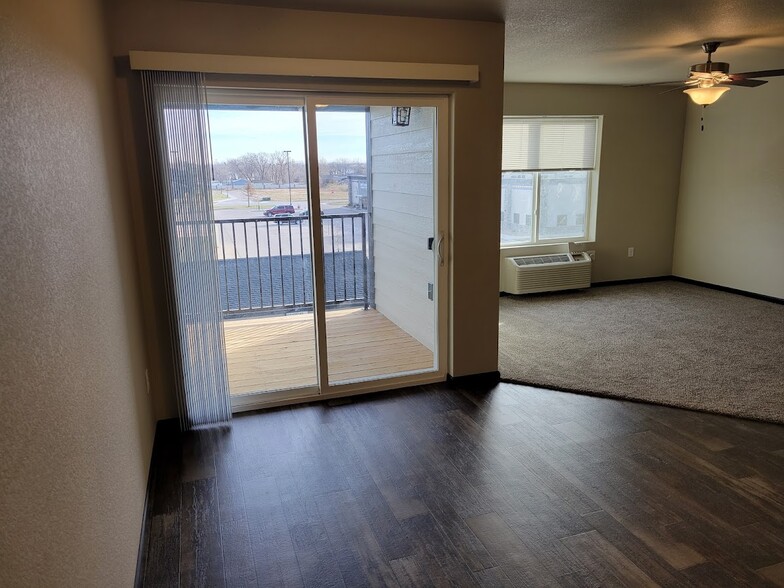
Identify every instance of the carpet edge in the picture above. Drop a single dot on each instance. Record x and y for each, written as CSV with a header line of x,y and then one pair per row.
x,y
614,396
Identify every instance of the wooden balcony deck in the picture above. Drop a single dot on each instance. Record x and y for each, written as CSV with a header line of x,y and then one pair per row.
x,y
278,352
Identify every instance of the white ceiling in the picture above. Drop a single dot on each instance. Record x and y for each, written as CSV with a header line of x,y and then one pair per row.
x,y
603,41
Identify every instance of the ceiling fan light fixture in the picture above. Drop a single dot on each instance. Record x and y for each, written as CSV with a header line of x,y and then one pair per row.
x,y
711,68
708,81
705,96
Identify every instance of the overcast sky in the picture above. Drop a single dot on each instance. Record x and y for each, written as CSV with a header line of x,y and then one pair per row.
x,y
341,135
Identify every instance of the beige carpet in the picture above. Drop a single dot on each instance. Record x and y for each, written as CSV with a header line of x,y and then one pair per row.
x,y
665,342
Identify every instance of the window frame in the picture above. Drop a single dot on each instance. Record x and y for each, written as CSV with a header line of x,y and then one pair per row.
x,y
589,220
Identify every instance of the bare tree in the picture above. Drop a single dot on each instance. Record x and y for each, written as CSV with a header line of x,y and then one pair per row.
x,y
222,173
248,166
298,172
262,163
342,167
337,169
248,191
325,172
360,168
278,167
274,168
237,170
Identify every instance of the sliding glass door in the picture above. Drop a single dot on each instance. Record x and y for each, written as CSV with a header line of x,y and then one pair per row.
x,y
378,185
330,216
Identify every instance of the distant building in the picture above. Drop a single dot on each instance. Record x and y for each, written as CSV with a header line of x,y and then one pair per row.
x,y
357,191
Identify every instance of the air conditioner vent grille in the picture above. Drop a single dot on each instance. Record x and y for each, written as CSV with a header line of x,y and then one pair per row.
x,y
542,259
546,273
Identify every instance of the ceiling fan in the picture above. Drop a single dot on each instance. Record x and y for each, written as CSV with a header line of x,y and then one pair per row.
x,y
708,81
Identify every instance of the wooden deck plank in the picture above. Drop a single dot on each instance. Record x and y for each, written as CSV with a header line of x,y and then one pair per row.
x,y
279,352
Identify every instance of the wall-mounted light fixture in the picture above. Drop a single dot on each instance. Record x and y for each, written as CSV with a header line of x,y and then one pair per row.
x,y
401,116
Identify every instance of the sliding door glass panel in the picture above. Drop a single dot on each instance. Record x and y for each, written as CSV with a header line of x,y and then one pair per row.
x,y
260,196
378,194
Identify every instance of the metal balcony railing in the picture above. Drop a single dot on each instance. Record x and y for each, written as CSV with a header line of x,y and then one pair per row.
x,y
265,264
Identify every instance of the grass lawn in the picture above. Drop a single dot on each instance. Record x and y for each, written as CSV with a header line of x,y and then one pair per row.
x,y
332,194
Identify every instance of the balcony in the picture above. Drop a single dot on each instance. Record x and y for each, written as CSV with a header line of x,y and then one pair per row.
x,y
265,278
278,352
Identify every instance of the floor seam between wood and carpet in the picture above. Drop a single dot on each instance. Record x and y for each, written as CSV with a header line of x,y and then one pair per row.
x,y
610,396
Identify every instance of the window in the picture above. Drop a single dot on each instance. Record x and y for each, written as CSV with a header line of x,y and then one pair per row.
x,y
548,180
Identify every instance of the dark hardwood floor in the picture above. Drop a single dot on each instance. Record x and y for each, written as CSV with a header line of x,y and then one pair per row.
x,y
434,486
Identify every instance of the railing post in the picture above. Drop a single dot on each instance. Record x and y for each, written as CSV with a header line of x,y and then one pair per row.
x,y
269,260
334,268
236,264
290,225
282,280
258,261
343,253
247,263
275,271
364,262
354,257
225,271
302,263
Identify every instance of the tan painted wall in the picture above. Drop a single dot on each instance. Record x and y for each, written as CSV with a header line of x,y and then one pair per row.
x,y
77,429
730,228
642,137
175,25
403,191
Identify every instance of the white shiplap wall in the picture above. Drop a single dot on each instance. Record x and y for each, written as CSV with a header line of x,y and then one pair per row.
x,y
403,203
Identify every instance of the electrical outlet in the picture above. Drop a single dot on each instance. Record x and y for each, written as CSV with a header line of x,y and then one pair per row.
x,y
630,252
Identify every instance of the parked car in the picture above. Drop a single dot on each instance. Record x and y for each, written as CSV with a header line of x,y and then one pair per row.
x,y
287,218
286,209
306,214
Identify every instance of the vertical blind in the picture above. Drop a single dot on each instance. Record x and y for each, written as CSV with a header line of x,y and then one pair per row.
x,y
177,125
549,143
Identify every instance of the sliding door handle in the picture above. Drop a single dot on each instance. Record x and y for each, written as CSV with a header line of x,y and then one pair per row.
x,y
440,248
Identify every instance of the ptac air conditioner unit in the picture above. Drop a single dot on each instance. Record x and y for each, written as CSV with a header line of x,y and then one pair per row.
x,y
546,273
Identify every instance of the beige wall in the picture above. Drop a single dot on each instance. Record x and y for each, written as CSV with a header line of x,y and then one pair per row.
x,y
642,137
402,160
200,27
730,228
77,429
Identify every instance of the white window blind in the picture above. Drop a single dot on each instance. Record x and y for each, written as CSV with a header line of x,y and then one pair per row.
x,y
549,143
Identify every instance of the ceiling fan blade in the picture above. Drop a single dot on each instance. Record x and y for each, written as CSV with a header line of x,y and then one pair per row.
x,y
767,73
747,83
673,89
679,82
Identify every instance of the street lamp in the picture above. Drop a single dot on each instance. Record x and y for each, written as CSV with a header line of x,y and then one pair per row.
x,y
288,165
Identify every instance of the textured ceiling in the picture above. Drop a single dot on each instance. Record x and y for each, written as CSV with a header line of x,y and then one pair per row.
x,y
602,41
